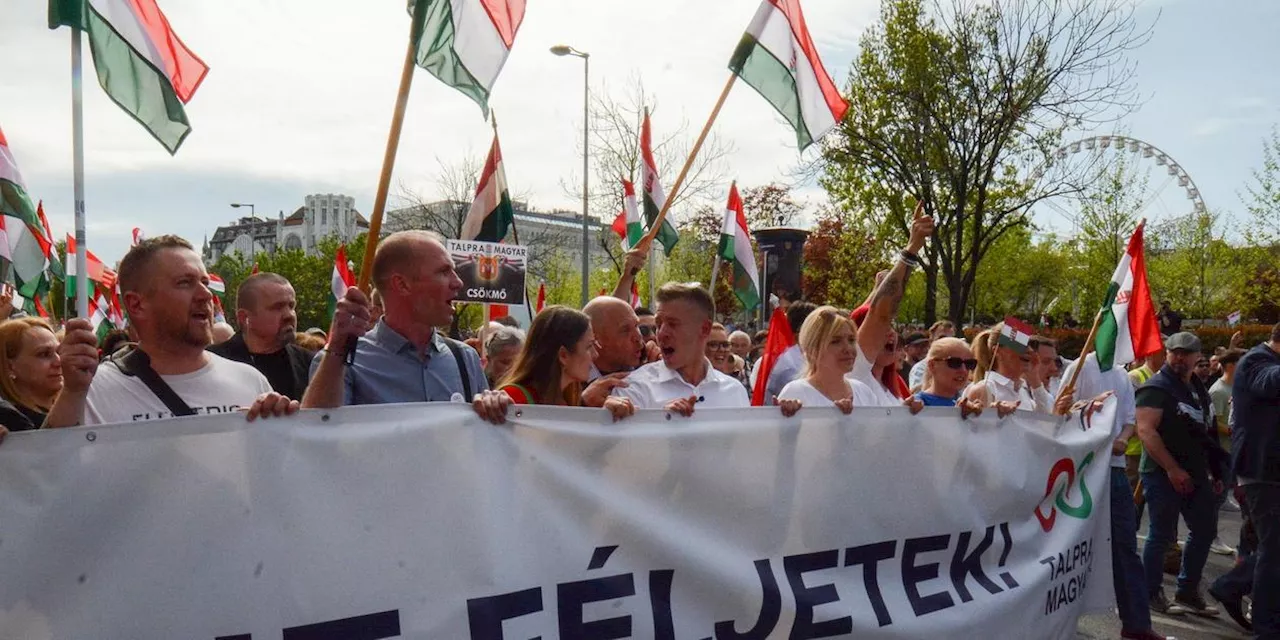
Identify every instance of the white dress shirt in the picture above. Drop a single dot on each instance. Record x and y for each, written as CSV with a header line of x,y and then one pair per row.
x,y
1093,381
1002,389
655,384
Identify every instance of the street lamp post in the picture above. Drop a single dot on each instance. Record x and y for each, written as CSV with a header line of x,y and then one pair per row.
x,y
253,213
563,50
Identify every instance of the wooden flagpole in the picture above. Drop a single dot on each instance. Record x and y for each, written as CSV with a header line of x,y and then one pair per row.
x,y
647,240
393,143
1070,387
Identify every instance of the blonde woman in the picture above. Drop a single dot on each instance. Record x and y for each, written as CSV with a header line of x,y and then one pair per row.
x,y
947,368
30,372
828,341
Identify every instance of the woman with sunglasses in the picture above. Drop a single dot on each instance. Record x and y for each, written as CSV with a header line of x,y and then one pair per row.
x,y
555,362
948,366
1005,374
828,340
721,357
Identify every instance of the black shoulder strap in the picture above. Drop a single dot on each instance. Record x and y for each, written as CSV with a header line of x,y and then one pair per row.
x,y
134,362
462,367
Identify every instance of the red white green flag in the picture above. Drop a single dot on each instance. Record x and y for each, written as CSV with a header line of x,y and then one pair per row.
x,y
21,222
654,197
98,272
464,43
1128,329
142,64
491,213
1015,334
735,249
341,280
52,265
777,57
627,225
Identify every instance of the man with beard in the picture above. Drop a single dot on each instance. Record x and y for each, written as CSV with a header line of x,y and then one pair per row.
x,y
1182,469
265,311
166,294
683,378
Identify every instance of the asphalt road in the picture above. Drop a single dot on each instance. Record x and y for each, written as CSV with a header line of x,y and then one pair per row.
x,y
1185,627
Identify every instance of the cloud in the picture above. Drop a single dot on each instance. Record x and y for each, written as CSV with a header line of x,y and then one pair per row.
x,y
300,95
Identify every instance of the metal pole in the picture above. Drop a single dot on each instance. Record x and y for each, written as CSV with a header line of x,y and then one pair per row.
x,y
77,153
586,123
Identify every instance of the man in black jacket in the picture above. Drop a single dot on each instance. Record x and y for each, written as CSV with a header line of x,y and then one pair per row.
x,y
265,313
1255,456
1182,469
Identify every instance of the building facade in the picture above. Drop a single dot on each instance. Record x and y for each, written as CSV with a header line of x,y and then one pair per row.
x,y
322,216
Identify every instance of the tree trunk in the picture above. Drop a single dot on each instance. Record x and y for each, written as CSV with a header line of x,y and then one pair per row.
x,y
930,293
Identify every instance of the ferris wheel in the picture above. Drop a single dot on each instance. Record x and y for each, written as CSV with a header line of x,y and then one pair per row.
x,y
1161,169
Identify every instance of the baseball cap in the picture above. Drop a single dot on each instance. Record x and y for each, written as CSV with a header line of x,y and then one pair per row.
x,y
1182,341
915,337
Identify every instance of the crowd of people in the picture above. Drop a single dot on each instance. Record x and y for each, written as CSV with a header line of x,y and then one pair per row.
x,y
1179,411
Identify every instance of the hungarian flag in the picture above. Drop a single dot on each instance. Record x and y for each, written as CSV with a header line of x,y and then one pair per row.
x,y
464,43
780,339
21,223
777,58
341,280
735,249
654,197
635,295
5,259
1015,334
495,311
142,64
52,265
217,285
98,272
138,236
627,225
490,214
1127,329
542,297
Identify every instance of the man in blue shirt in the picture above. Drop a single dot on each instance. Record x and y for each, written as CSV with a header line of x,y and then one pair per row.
x,y
403,358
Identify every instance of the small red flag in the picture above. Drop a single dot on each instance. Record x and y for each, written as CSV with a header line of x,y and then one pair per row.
x,y
255,269
780,339
542,296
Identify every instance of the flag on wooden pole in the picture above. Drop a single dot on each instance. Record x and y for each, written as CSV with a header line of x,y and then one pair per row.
x,y
777,57
1127,328
25,252
142,64
464,43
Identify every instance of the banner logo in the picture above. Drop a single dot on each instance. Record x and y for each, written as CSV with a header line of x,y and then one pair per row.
x,y
1070,469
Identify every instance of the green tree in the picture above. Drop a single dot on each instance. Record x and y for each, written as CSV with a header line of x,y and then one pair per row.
x,y
1190,264
841,259
1258,293
964,113
1109,210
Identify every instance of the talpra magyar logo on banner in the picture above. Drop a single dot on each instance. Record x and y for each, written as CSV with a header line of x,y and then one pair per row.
x,y
491,272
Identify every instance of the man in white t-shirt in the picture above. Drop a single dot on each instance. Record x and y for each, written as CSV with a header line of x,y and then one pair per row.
x,y
684,378
166,294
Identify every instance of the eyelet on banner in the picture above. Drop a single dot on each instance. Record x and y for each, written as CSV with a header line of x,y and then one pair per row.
x,y
324,417
519,413
92,436
668,416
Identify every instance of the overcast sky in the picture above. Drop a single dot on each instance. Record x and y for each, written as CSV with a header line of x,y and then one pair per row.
x,y
300,94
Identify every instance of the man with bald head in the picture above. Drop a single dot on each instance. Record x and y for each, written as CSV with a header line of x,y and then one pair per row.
x,y
619,347
404,357
268,320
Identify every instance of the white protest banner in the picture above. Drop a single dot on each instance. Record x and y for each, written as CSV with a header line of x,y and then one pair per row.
x,y
420,521
491,272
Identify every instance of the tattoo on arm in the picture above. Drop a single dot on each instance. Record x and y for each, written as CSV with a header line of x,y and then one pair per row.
x,y
892,289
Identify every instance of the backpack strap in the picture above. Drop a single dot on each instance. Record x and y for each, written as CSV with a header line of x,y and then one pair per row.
x,y
456,348
135,363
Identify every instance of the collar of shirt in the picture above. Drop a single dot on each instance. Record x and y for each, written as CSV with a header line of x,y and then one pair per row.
x,y
1001,381
667,374
392,341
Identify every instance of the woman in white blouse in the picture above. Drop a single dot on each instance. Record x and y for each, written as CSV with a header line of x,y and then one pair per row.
x,y
1004,374
827,340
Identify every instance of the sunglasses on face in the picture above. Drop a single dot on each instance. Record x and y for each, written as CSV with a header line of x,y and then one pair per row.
x,y
956,363
718,345
646,330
